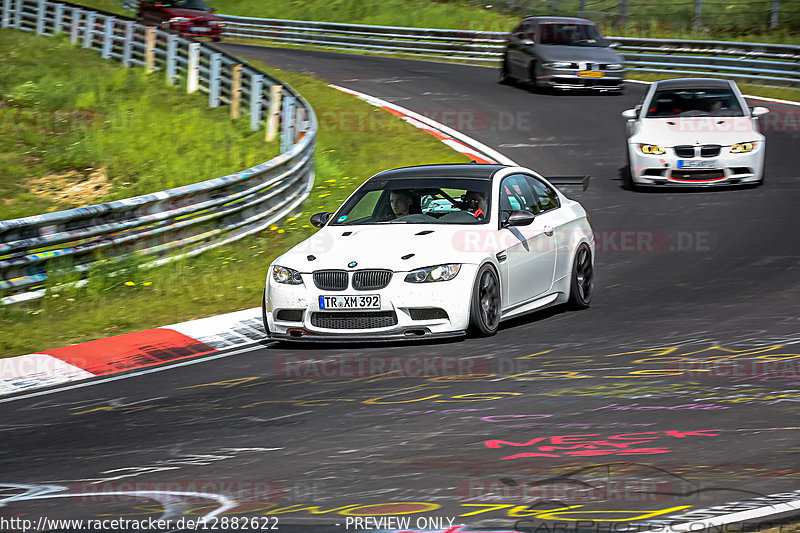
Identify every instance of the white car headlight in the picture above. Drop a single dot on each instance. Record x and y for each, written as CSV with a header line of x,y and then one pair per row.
x,y
434,273
558,64
615,66
651,149
742,148
218,23
286,275
179,20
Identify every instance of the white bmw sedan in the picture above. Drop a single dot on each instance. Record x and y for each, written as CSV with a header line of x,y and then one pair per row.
x,y
433,251
694,132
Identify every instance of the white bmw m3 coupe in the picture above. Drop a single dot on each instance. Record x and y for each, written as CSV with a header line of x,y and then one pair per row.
x,y
433,251
695,132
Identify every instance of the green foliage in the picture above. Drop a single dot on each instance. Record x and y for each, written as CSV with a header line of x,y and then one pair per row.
x,y
64,109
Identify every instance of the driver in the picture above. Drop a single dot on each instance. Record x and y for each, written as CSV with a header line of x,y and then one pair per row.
x,y
400,201
476,204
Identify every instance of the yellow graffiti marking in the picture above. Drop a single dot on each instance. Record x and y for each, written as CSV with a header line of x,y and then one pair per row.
x,y
394,509
225,384
534,354
592,515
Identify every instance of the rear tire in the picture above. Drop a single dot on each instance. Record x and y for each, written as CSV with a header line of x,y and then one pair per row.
x,y
485,306
582,279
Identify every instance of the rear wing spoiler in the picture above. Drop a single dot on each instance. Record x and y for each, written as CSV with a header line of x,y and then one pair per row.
x,y
562,181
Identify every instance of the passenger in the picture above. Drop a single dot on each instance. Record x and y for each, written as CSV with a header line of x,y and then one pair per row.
x,y
401,202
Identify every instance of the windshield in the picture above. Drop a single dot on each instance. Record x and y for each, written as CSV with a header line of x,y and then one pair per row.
x,y
694,102
571,35
417,201
200,5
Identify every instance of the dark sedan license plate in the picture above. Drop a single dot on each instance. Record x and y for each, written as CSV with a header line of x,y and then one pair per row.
x,y
358,301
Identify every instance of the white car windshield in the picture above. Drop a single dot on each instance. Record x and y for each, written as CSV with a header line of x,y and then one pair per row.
x,y
417,201
670,103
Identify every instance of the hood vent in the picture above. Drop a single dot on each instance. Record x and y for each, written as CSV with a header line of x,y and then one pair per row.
x,y
425,232
408,256
311,257
347,233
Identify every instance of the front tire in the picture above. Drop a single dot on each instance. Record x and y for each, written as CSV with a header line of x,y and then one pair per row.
x,y
582,279
264,315
627,172
485,307
504,78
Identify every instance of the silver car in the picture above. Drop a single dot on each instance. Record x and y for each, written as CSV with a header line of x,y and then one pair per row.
x,y
562,53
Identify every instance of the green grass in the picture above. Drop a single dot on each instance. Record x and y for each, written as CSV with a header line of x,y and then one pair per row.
x,y
355,141
66,110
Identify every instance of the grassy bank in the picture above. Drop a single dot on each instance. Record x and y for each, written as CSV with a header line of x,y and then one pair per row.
x,y
355,141
739,20
76,130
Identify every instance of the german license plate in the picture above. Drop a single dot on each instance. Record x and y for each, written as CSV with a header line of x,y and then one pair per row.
x,y
358,301
198,29
690,163
590,74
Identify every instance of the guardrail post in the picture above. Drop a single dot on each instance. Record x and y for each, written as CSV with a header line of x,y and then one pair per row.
x,y
773,17
236,89
20,5
108,37
300,124
256,85
172,58
75,25
58,20
213,81
40,17
127,45
88,33
273,119
6,22
287,124
149,49
193,68
697,23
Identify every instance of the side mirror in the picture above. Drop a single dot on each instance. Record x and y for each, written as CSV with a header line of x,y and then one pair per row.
x,y
158,4
527,42
320,219
613,45
517,217
630,114
759,111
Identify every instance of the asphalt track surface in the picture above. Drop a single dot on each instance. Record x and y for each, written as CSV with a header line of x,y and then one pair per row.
x,y
692,342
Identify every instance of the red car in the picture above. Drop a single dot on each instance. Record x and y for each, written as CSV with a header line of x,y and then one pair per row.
x,y
190,18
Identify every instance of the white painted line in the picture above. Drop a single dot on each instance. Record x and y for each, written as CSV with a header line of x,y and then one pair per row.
x,y
134,374
752,514
469,141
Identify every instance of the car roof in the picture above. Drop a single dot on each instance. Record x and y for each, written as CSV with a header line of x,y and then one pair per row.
x,y
554,20
693,83
469,170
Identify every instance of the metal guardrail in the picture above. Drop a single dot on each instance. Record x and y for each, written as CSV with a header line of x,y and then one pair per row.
x,y
176,222
765,63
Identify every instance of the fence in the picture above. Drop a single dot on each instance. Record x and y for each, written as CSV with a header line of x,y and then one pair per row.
x,y
764,63
176,222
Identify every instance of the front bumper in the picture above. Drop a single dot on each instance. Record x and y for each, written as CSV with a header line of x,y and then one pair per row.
x,y
407,311
600,80
730,169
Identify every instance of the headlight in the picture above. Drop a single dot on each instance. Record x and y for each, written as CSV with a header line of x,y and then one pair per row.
x,y
179,20
615,66
558,64
651,149
742,148
216,23
286,275
434,273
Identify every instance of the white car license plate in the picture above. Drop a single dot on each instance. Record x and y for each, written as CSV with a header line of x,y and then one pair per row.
x,y
690,163
198,29
358,301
